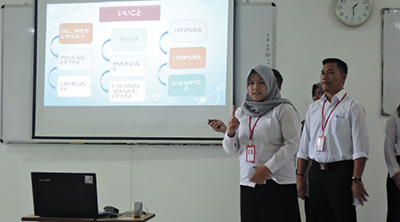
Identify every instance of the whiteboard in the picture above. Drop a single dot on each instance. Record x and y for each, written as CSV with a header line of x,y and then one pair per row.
x,y
17,65
390,59
254,43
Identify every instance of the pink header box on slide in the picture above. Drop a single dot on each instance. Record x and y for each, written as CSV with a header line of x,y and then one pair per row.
x,y
130,13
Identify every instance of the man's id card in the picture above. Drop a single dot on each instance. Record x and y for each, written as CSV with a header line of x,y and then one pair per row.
x,y
250,153
320,143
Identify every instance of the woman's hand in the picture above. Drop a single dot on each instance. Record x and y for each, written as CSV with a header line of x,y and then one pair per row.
x,y
217,125
261,175
233,124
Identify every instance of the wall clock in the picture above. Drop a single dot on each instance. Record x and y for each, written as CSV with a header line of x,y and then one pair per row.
x,y
353,12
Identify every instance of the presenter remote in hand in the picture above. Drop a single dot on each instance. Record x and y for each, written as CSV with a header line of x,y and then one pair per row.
x,y
265,132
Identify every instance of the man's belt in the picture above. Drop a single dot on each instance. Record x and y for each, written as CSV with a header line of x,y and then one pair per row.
x,y
333,165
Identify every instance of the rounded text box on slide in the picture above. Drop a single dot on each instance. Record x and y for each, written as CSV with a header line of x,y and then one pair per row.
x,y
127,91
186,85
128,39
130,13
188,30
74,86
187,58
128,66
76,33
75,60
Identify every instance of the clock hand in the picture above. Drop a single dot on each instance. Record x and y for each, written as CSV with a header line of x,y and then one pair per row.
x,y
352,9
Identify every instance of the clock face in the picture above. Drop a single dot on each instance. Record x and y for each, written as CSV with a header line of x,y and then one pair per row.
x,y
353,12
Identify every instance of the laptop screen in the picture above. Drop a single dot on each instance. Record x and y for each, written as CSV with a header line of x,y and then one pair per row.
x,y
72,195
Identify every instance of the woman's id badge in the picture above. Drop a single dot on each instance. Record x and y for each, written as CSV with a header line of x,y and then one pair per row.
x,y
320,143
250,153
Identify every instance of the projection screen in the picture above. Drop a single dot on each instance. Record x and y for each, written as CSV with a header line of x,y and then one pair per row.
x,y
140,70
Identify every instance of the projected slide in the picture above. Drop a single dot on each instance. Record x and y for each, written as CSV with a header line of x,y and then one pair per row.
x,y
136,53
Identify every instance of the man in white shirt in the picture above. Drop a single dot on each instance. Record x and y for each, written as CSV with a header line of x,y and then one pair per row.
x,y
335,139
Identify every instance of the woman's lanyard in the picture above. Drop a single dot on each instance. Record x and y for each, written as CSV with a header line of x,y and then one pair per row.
x,y
322,114
252,129
251,148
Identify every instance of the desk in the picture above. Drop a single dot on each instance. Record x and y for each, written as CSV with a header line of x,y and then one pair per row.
x,y
123,218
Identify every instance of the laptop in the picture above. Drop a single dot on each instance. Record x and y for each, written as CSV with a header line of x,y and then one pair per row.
x,y
72,195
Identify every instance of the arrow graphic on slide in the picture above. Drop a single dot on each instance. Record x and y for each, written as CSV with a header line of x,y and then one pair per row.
x,y
48,77
102,48
51,46
162,83
219,98
101,81
159,43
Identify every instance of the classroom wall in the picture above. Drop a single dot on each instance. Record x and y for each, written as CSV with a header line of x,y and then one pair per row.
x,y
197,183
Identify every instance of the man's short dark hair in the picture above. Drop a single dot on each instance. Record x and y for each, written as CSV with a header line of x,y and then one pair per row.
x,y
278,77
342,66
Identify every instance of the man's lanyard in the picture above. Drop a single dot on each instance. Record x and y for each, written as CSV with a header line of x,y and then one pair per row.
x,y
323,107
252,129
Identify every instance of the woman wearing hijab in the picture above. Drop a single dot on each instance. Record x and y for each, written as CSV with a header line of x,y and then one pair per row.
x,y
392,157
265,131
317,91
